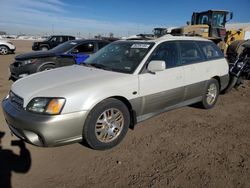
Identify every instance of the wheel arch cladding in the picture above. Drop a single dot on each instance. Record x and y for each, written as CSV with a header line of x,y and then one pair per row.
x,y
130,109
218,80
5,46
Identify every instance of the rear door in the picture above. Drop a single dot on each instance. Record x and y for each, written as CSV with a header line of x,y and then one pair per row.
x,y
196,69
164,88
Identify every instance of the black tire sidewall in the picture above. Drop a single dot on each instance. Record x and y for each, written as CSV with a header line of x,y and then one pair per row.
x,y
204,97
43,47
42,68
89,125
3,46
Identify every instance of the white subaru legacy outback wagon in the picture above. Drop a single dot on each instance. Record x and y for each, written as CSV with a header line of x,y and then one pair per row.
x,y
124,83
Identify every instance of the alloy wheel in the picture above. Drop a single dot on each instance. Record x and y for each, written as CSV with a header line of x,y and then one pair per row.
x,y
109,125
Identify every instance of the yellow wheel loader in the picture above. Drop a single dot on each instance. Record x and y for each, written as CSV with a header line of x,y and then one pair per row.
x,y
211,25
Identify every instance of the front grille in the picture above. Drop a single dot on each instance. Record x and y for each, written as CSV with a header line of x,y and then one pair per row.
x,y
16,100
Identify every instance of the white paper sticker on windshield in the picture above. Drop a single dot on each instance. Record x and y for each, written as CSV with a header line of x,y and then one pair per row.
x,y
73,43
140,46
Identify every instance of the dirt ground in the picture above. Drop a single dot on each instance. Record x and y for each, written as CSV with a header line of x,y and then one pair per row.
x,y
188,147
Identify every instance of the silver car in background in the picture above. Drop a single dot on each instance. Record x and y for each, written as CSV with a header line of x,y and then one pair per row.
x,y
124,83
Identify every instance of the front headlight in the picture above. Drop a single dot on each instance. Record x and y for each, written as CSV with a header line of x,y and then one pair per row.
x,y
29,61
44,105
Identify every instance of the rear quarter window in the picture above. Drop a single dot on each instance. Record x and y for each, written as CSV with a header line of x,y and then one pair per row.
x,y
210,50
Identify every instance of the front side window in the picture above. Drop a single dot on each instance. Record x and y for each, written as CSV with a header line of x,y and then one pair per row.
x,y
167,52
86,48
189,52
53,39
124,56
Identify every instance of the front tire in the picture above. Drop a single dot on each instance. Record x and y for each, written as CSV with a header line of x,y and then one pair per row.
x,y
106,124
44,48
211,94
4,50
46,67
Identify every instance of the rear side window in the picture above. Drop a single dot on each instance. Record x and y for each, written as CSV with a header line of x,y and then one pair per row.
x,y
189,52
210,50
59,39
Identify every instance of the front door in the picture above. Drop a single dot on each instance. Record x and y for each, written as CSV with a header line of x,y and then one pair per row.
x,y
164,88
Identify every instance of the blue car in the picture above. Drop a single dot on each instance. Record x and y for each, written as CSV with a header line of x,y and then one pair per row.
x,y
79,57
68,53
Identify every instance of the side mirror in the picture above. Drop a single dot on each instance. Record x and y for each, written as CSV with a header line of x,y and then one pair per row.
x,y
74,51
156,66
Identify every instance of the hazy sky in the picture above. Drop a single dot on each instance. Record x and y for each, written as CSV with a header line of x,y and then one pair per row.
x,y
91,17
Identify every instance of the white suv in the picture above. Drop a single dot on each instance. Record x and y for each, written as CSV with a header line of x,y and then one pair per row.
x,y
6,47
124,83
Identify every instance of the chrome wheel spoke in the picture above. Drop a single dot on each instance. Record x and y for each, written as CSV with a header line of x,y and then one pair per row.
x,y
211,94
109,125
111,134
101,121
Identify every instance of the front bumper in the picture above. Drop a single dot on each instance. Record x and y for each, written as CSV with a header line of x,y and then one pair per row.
x,y
44,130
17,71
12,48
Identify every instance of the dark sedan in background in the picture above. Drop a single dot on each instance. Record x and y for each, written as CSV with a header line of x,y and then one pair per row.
x,y
68,53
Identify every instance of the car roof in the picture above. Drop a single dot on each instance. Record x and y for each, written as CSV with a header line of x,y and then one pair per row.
x,y
78,41
169,37
61,36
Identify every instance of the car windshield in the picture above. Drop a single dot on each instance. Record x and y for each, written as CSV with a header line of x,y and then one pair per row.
x,y
64,47
122,56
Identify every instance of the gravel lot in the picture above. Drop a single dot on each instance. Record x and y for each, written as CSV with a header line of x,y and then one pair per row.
x,y
188,147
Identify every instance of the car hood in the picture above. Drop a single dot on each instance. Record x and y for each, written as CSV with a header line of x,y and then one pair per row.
x,y
63,82
32,55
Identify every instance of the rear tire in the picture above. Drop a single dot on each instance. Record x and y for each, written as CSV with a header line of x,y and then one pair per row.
x,y
4,50
106,124
211,94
